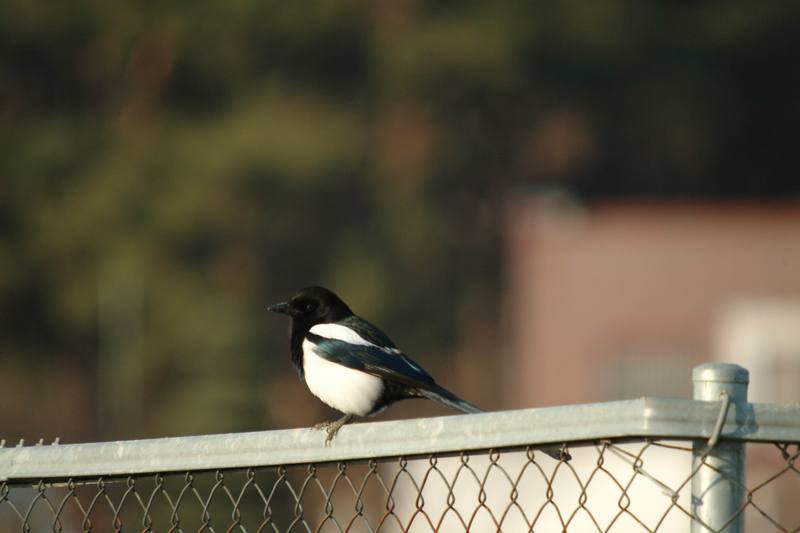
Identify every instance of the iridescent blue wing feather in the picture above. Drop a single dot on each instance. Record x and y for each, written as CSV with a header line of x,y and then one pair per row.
x,y
387,363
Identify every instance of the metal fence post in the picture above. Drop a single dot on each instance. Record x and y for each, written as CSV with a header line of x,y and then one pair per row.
x,y
718,485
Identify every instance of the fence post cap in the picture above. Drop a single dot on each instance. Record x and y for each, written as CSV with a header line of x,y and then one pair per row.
x,y
721,372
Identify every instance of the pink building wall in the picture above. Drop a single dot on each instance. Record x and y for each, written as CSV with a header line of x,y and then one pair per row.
x,y
622,289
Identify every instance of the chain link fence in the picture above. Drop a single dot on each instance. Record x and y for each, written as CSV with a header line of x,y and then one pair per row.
x,y
621,483
606,486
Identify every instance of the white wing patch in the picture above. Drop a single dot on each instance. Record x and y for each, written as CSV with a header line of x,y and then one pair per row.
x,y
343,333
339,332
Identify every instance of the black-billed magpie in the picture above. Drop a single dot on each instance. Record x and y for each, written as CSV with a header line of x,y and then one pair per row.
x,y
350,364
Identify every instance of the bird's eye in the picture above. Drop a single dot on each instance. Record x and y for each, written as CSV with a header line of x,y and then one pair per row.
x,y
309,306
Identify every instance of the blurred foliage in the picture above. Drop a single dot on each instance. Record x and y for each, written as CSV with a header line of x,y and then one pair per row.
x,y
170,169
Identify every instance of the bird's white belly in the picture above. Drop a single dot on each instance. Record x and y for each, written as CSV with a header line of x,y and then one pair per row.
x,y
350,391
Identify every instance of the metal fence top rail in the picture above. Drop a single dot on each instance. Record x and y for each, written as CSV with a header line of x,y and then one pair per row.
x,y
642,418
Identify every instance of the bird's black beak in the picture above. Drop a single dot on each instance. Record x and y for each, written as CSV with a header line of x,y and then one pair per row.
x,y
283,308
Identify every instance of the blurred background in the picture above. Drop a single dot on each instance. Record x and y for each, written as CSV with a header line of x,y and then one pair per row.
x,y
542,203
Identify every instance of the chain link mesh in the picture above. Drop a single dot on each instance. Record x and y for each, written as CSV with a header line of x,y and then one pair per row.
x,y
611,485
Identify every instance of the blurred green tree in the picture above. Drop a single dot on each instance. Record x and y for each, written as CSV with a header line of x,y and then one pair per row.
x,y
170,169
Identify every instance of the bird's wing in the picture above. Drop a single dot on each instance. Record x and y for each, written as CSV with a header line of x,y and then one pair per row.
x,y
387,363
367,331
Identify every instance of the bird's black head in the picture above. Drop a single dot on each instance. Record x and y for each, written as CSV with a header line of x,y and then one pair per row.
x,y
311,306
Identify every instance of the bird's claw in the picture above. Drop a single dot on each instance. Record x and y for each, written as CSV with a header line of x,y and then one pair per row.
x,y
331,434
331,428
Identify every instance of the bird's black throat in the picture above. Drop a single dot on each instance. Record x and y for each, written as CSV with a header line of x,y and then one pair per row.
x,y
298,334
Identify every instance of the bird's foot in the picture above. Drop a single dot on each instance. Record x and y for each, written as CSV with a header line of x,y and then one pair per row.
x,y
332,427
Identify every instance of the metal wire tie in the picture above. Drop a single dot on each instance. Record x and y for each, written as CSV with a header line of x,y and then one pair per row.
x,y
725,398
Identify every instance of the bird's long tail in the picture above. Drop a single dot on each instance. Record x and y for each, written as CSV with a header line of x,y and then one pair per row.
x,y
445,397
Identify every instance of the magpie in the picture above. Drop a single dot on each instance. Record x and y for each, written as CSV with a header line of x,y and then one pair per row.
x,y
350,364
